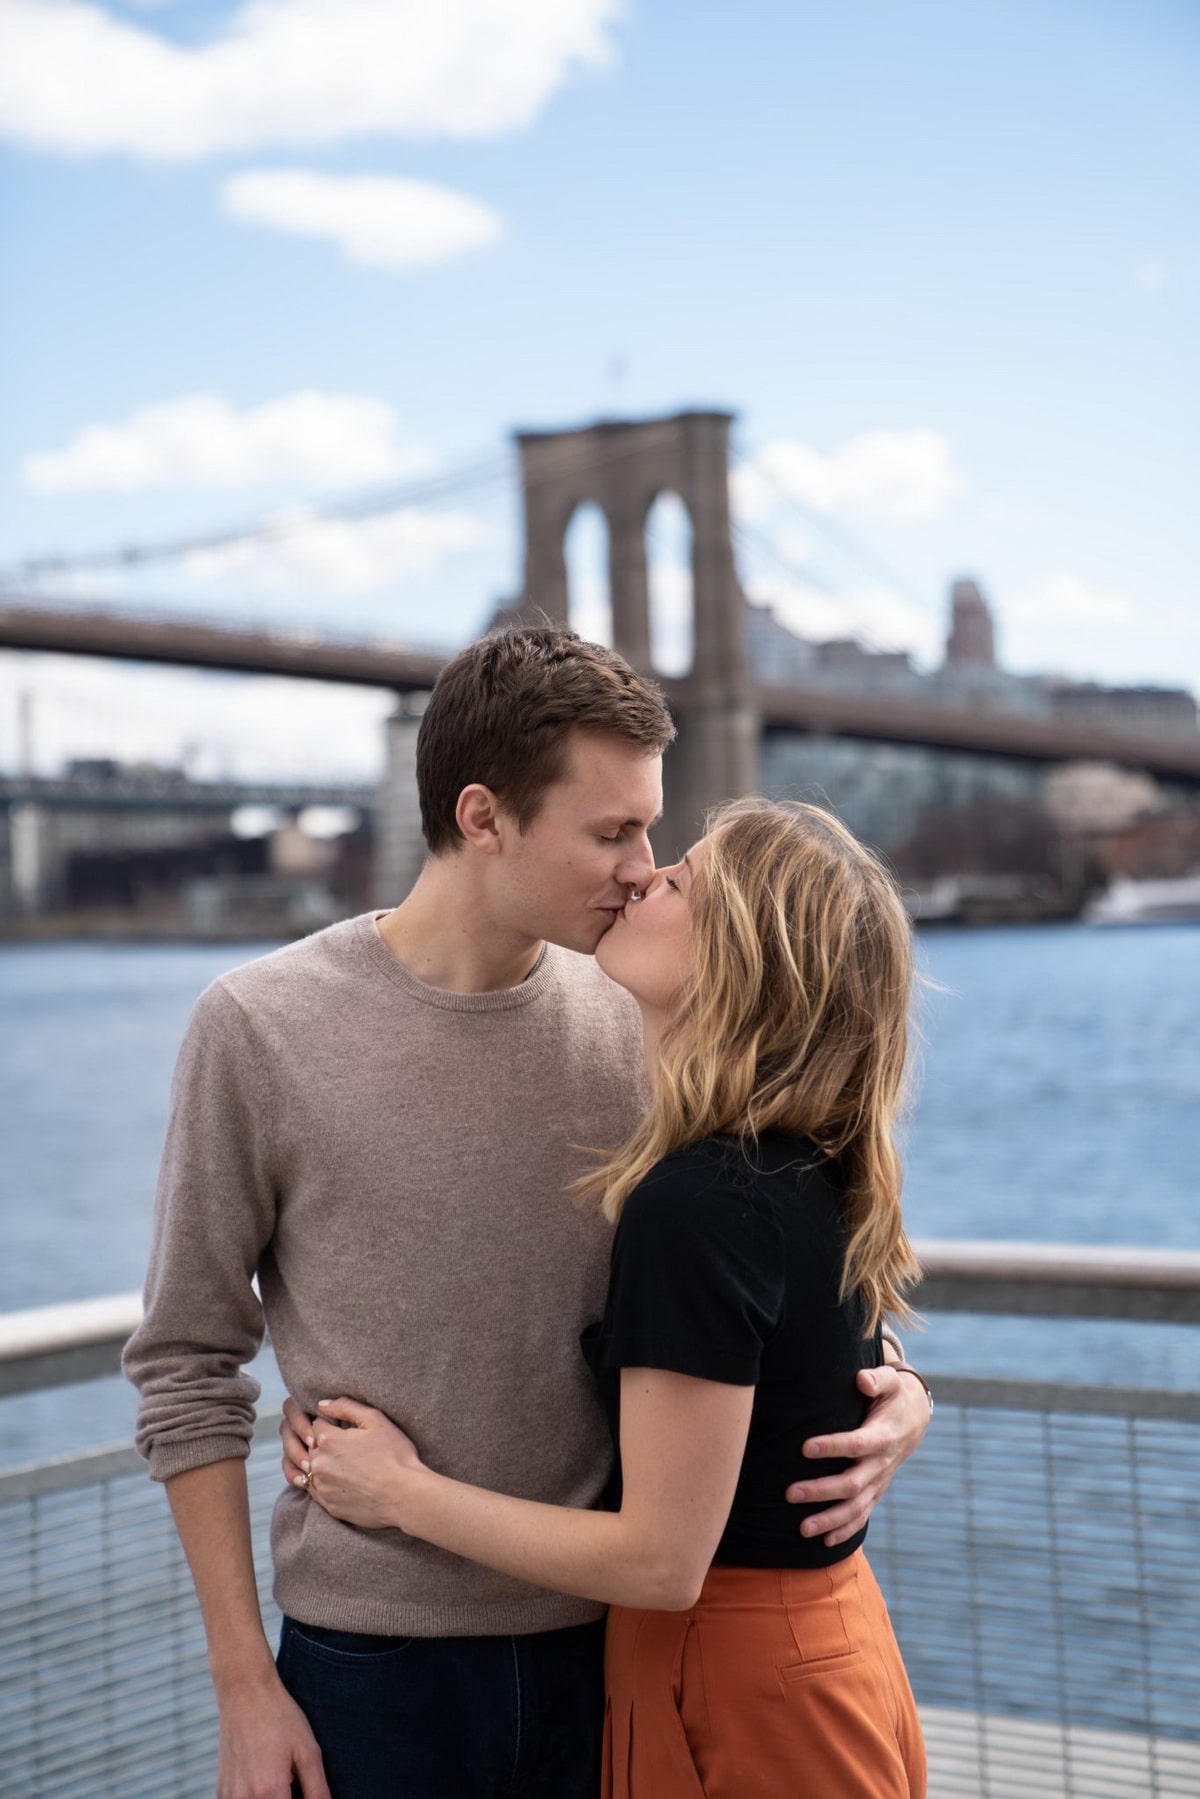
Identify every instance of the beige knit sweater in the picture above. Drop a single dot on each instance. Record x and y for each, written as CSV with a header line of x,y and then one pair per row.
x,y
391,1160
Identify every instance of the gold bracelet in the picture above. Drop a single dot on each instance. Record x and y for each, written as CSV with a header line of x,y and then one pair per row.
x,y
907,1368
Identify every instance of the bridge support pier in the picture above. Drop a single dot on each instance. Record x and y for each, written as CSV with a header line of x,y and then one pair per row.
x,y
33,861
399,846
714,758
8,893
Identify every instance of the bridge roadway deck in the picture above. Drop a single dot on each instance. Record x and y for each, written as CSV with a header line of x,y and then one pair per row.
x,y
131,795
825,711
187,643
883,718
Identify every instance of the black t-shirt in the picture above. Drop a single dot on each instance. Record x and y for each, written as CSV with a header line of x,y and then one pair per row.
x,y
726,1265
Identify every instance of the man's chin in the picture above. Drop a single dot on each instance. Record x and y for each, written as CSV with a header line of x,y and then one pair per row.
x,y
582,938
596,935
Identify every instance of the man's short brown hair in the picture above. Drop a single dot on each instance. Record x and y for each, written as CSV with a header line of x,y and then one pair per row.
x,y
502,712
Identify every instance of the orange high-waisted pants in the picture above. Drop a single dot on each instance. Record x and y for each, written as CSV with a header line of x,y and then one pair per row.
x,y
777,1684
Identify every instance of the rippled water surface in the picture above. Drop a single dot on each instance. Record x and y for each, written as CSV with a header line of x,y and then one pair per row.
x,y
1059,1099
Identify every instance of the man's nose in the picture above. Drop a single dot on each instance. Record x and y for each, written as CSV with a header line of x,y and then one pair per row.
x,y
637,869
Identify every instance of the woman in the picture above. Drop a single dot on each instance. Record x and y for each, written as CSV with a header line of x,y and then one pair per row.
x,y
759,1246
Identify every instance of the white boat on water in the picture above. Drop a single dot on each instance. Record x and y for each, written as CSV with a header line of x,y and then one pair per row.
x,y
1147,902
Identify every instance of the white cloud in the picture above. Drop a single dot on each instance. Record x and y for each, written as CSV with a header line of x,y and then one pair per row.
x,y
1152,275
199,440
752,497
77,78
377,221
1067,623
902,475
342,556
796,547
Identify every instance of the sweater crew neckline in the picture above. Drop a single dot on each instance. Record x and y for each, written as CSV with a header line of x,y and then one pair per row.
x,y
504,999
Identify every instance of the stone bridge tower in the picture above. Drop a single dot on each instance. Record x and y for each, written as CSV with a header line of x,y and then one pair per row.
x,y
623,467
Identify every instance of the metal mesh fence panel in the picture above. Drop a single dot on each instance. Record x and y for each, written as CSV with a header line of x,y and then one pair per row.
x,y
104,1686
1043,1575
1042,1569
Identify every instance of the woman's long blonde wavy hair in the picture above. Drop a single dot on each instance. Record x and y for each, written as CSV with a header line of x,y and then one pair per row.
x,y
794,1017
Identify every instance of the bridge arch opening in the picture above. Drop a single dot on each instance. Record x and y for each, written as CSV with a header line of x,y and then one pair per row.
x,y
670,586
587,553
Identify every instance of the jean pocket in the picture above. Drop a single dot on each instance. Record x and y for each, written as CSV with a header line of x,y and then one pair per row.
x,y
348,1648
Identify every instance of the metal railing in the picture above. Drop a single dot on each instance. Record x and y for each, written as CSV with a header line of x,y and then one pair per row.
x,y
1041,1558
104,1687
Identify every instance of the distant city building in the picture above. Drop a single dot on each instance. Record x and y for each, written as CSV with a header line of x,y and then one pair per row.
x,y
846,659
882,790
1150,709
969,674
1163,848
972,641
777,654
781,656
132,836
102,773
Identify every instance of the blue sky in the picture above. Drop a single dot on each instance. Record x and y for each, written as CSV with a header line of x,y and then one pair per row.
x,y
940,259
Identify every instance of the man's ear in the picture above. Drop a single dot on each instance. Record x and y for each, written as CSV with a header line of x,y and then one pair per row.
x,y
477,817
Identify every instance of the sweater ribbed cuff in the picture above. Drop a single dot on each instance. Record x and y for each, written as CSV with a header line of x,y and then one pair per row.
x,y
168,1459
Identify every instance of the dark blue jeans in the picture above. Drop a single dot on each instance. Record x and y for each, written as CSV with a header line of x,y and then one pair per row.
x,y
451,1717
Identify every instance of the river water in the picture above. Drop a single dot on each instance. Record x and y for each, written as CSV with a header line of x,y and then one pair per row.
x,y
1058,1100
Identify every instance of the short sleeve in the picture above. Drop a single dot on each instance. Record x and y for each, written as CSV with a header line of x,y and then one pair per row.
x,y
697,1282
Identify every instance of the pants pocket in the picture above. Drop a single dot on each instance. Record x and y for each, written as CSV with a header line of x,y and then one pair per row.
x,y
792,1672
341,1646
826,1620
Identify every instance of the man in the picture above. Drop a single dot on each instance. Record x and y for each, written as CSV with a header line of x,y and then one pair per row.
x,y
381,1123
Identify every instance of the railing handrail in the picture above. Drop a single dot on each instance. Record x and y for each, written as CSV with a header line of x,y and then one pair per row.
x,y
1075,1264
73,1324
1060,1280
54,1346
